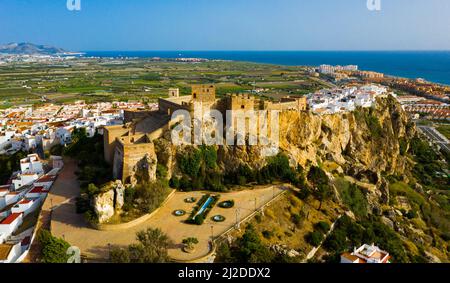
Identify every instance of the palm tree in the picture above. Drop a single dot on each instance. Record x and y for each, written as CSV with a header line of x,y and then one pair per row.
x,y
190,243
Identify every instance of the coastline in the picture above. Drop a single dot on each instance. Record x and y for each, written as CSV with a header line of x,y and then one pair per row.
x,y
432,66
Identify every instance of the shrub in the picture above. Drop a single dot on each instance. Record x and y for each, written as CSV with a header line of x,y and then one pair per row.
x,y
91,217
82,204
353,198
9,164
151,248
151,195
174,183
209,156
314,238
304,193
161,171
190,162
323,227
267,234
190,242
54,250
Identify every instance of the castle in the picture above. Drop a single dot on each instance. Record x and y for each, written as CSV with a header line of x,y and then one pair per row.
x,y
125,146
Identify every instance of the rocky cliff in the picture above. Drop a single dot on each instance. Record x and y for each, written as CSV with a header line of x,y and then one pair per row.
x,y
109,201
363,143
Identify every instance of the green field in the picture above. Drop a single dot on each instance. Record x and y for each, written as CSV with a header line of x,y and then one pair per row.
x,y
107,80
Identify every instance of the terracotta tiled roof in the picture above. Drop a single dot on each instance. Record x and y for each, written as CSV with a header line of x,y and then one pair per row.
x,y
10,219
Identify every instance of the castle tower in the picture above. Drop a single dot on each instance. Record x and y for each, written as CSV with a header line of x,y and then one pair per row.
x,y
174,92
204,93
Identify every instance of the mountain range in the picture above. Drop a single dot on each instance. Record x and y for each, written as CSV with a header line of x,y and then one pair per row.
x,y
30,48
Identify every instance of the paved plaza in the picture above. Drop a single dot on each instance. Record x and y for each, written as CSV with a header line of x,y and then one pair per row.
x,y
65,223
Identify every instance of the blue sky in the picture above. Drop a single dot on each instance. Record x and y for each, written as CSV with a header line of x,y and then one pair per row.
x,y
228,24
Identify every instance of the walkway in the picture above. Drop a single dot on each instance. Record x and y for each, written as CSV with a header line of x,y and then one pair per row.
x,y
96,244
65,187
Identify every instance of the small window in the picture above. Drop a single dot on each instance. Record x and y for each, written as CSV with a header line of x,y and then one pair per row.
x,y
242,106
195,95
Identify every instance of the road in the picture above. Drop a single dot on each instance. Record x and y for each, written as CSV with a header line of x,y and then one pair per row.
x,y
436,137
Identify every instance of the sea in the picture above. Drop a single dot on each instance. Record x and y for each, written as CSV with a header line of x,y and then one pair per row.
x,y
433,66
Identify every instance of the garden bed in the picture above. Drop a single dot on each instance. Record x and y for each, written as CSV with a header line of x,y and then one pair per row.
x,y
201,210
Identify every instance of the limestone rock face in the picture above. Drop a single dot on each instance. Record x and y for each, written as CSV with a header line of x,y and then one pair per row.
x,y
383,187
388,222
109,202
362,144
119,195
165,152
145,169
432,258
104,206
348,139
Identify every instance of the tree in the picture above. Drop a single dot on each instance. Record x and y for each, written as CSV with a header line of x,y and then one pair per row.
x,y
151,195
151,248
320,180
54,250
322,226
190,243
314,238
251,249
322,193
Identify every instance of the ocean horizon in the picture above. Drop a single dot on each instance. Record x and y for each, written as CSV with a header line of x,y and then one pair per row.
x,y
433,66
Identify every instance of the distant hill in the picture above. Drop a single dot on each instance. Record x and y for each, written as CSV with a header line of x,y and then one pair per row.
x,y
30,48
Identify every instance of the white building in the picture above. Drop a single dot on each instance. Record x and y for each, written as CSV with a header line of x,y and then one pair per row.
x,y
9,198
24,179
31,164
328,101
29,142
37,192
45,181
26,206
10,224
366,254
64,136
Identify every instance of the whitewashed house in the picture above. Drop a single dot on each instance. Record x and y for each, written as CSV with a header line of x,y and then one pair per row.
x,y
63,135
366,254
24,179
11,223
45,181
26,206
31,164
37,192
